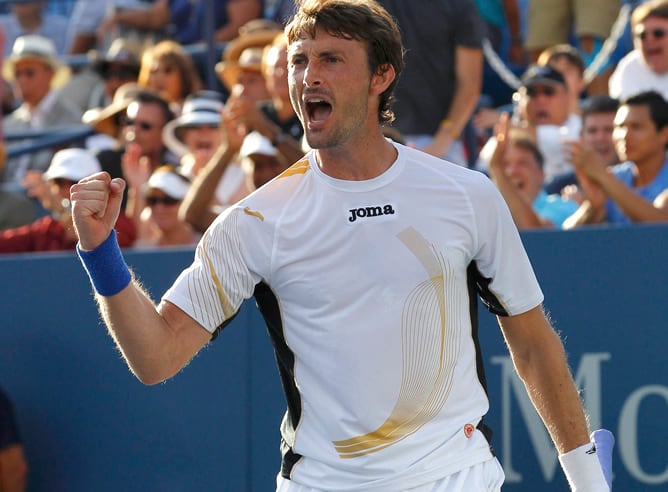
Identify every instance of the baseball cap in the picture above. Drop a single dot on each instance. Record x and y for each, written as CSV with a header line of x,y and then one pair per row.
x,y
169,181
542,74
256,143
72,164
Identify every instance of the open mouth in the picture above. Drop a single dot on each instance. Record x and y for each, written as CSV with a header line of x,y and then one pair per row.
x,y
318,110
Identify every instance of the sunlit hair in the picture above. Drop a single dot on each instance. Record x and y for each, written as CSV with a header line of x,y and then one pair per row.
x,y
173,55
653,8
523,140
361,20
562,51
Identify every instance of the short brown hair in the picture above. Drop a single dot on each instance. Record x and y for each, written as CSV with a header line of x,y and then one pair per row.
x,y
361,20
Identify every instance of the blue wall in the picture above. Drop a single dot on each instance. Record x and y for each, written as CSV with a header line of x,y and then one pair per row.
x,y
88,424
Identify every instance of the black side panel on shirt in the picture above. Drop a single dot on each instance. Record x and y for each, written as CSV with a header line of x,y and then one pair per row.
x,y
477,284
481,284
285,358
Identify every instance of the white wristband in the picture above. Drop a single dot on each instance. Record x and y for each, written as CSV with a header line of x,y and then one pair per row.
x,y
583,469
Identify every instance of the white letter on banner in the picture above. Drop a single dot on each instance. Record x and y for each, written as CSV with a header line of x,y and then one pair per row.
x,y
628,433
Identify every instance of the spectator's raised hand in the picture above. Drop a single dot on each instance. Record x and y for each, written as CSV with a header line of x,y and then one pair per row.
x,y
588,166
136,168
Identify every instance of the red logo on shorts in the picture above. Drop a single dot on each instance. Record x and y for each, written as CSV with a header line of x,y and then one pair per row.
x,y
468,430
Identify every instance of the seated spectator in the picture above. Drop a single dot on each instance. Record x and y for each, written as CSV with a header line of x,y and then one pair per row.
x,y
274,118
29,17
637,189
240,69
13,466
36,71
195,136
552,22
94,86
260,159
182,20
55,232
107,120
167,69
516,168
159,223
598,122
543,110
645,68
567,60
133,123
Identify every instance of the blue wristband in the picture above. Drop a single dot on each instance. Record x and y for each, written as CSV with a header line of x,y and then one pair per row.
x,y
106,267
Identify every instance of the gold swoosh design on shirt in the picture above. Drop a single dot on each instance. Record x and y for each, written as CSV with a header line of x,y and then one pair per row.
x,y
254,213
429,352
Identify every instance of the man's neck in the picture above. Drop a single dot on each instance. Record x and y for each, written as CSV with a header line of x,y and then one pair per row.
x,y
649,168
357,162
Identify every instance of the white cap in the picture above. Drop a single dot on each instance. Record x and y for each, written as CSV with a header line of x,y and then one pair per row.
x,y
170,183
73,164
256,143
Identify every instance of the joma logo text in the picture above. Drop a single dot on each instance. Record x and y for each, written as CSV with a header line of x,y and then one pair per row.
x,y
364,212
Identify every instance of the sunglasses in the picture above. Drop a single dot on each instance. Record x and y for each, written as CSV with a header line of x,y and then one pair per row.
x,y
547,90
144,125
152,201
62,182
27,73
657,33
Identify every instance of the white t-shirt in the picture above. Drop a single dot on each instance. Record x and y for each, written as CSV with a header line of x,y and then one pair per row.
x,y
633,76
368,288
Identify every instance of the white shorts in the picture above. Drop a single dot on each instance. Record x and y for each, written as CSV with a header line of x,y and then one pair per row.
x,y
487,476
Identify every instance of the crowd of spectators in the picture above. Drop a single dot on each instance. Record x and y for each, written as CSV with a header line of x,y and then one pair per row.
x,y
154,115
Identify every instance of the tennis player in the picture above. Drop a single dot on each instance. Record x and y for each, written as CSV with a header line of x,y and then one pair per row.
x,y
365,258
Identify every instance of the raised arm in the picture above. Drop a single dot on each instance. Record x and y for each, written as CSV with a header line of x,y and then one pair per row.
x,y
155,341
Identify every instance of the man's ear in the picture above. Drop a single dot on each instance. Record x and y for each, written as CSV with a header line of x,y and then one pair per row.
x,y
382,79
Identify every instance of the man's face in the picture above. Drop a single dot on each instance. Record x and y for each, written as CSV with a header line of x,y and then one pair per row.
x,y
33,80
571,75
596,134
330,87
524,171
251,85
651,38
201,138
143,125
546,104
635,135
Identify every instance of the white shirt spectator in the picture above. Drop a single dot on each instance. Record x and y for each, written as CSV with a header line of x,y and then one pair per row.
x,y
633,76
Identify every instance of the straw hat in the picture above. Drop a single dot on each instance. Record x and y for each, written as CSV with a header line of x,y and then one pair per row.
x,y
250,59
102,119
36,48
254,33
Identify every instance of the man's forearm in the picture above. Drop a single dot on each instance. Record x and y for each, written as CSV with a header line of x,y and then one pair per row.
x,y
634,206
196,206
